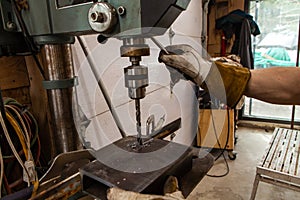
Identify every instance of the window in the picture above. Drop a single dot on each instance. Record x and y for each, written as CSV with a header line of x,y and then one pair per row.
x,y
278,21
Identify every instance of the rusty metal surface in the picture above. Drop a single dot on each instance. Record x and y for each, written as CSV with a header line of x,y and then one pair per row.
x,y
62,180
95,177
58,66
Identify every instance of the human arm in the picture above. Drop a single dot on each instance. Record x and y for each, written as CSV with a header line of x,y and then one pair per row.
x,y
278,85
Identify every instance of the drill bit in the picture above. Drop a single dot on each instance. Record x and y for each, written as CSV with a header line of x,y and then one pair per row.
x,y
138,121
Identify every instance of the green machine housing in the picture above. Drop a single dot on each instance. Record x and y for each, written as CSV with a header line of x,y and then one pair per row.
x,y
57,21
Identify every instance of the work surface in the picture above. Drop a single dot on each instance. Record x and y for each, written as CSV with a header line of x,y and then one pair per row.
x,y
144,170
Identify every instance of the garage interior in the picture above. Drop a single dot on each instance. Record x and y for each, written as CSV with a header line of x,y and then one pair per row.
x,y
88,107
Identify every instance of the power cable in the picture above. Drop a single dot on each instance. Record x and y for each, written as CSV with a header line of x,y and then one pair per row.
x,y
11,144
224,148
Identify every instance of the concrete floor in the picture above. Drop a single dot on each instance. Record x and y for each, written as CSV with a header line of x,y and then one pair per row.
x,y
237,185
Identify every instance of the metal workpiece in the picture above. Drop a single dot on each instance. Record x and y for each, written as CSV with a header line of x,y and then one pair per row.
x,y
102,17
150,122
142,170
58,65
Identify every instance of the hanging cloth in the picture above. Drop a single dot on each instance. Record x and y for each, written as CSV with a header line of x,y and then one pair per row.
x,y
241,25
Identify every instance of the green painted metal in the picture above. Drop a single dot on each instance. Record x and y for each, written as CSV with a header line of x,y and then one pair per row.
x,y
44,17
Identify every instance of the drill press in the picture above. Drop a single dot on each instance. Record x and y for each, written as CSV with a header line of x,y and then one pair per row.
x,y
43,25
130,21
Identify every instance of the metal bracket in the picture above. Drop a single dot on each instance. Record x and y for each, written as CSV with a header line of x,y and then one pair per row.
x,y
60,84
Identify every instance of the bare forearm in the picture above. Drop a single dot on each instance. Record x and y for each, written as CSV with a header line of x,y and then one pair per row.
x,y
278,85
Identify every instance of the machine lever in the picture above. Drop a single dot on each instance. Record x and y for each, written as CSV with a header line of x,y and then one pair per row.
x,y
160,46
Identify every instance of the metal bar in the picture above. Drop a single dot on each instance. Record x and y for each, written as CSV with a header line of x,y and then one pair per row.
x,y
59,65
280,183
297,65
160,46
102,87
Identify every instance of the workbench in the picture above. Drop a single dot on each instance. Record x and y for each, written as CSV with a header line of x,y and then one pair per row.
x,y
280,165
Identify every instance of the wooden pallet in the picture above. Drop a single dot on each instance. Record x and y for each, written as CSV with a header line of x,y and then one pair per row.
x,y
280,164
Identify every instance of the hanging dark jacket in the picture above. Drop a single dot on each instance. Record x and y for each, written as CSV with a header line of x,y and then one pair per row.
x,y
241,25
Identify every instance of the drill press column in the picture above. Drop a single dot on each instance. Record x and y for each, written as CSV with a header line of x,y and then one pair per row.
x,y
136,75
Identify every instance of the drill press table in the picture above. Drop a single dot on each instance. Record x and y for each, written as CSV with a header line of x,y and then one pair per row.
x,y
131,172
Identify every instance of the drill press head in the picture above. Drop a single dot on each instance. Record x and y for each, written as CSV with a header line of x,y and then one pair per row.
x,y
113,17
133,21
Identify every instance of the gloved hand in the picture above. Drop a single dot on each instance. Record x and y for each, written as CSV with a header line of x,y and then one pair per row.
x,y
220,78
186,60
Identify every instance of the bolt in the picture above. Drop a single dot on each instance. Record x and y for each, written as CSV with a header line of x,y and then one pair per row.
x,y
121,10
98,17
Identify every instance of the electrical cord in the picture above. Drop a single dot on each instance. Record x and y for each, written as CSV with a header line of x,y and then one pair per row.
x,y
227,138
11,144
19,133
26,135
223,149
24,112
22,123
25,126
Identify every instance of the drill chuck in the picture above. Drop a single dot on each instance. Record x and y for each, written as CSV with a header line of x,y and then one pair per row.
x,y
136,80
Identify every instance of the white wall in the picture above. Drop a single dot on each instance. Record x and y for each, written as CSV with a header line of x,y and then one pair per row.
x,y
158,101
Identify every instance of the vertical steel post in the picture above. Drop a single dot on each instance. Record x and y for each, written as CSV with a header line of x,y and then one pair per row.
x,y
58,65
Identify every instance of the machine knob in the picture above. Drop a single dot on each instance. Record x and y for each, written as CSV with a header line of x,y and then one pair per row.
x,y
102,17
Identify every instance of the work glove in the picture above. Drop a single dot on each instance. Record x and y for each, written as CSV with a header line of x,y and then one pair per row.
x,y
222,79
184,62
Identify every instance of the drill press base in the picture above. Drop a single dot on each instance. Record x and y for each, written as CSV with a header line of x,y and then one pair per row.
x,y
97,177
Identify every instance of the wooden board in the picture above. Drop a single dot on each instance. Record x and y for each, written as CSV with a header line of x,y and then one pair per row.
x,y
280,165
219,9
40,107
213,124
282,154
20,94
13,72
